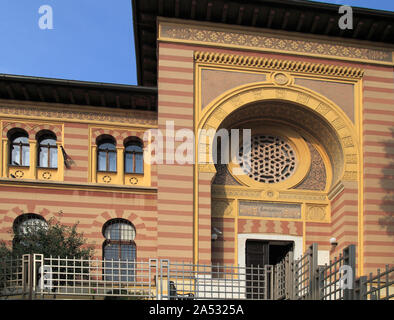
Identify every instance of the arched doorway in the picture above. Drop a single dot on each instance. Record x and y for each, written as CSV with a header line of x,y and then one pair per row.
x,y
304,151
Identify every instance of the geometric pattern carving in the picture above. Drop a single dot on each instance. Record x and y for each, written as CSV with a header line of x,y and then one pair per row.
x,y
271,159
316,178
263,42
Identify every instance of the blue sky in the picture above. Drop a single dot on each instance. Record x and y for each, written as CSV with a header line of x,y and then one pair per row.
x,y
91,40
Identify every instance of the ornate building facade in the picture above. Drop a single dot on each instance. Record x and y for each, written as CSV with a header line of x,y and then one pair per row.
x,y
318,101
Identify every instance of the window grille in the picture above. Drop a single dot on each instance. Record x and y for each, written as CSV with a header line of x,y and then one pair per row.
x,y
270,160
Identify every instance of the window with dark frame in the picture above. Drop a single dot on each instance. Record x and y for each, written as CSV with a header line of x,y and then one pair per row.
x,y
47,151
19,149
134,157
106,155
119,250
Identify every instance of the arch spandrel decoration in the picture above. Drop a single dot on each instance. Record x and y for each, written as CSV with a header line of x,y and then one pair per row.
x,y
285,91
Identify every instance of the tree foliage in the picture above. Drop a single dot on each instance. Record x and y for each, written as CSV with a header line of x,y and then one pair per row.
x,y
53,239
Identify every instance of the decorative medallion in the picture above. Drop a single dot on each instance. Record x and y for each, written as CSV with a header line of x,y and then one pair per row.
x,y
19,174
133,180
269,193
106,179
317,213
46,175
281,79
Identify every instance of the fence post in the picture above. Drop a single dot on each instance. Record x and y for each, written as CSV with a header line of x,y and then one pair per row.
x,y
349,256
314,273
320,281
289,276
360,289
27,271
164,263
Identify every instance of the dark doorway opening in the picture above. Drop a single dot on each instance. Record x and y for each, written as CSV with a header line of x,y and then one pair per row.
x,y
261,253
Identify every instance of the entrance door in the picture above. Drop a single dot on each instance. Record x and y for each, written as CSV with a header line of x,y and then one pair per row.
x,y
257,256
261,253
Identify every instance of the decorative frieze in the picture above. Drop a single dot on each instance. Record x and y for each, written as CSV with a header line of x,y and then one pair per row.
x,y
127,117
249,39
278,64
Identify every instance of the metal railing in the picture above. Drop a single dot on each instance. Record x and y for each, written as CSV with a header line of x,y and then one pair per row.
x,y
12,276
283,278
198,281
378,287
304,283
332,284
83,277
35,276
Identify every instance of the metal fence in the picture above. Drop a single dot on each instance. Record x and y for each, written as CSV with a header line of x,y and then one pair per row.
x,y
83,277
12,276
283,278
35,276
304,283
337,278
378,287
197,281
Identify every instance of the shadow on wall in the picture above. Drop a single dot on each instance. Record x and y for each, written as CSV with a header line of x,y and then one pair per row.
x,y
387,183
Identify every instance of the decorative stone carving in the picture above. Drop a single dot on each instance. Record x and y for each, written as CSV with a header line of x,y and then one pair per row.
x,y
316,213
221,208
281,79
258,41
46,175
107,179
133,180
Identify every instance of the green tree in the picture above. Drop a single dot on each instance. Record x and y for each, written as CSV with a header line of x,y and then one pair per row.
x,y
51,239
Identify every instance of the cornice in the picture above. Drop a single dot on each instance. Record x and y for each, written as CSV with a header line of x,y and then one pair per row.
x,y
278,64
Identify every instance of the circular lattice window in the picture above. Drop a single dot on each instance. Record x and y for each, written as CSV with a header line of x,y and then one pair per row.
x,y
271,160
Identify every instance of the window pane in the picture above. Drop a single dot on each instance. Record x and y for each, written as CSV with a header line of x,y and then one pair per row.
x,y
111,251
15,155
127,252
53,163
25,156
107,146
32,224
112,161
21,139
43,157
115,270
102,163
112,232
129,163
139,163
133,148
120,231
50,141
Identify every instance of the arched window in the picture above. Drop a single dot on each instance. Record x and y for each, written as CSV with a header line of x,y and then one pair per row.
x,y
19,148
119,250
133,157
29,222
47,150
106,154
